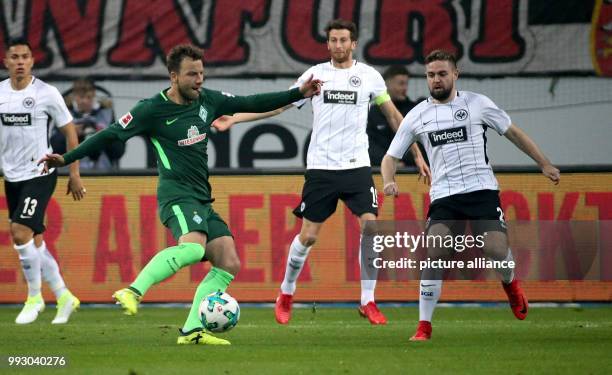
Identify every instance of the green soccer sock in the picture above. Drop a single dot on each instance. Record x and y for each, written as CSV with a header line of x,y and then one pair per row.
x,y
217,279
166,263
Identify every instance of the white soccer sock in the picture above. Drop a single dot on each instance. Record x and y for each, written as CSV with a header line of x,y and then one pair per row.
x,y
507,274
51,272
367,286
429,295
295,262
367,291
30,264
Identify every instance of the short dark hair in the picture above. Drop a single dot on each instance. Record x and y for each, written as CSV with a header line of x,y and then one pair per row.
x,y
441,55
340,24
18,42
180,52
395,70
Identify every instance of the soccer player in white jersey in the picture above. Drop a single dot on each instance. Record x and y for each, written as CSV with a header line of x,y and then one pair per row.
x,y
338,164
451,124
28,106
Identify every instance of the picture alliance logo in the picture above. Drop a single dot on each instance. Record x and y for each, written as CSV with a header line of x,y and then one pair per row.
x,y
340,97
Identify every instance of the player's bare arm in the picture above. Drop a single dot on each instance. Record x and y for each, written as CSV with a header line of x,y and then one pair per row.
x,y
392,114
52,161
75,185
521,140
309,88
388,168
394,118
225,122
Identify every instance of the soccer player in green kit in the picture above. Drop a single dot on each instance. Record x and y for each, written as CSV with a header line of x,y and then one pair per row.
x,y
176,121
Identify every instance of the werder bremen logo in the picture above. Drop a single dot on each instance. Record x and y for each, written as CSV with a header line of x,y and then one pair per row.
x,y
193,137
203,113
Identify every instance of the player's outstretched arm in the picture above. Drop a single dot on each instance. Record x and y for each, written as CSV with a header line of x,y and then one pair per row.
x,y
311,87
75,185
521,140
92,146
391,113
420,163
388,168
226,121
271,101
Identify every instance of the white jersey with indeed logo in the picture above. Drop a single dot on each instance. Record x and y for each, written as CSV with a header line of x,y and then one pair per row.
x,y
454,136
26,117
339,139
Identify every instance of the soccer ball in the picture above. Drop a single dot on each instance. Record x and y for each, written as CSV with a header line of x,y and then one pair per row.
x,y
219,312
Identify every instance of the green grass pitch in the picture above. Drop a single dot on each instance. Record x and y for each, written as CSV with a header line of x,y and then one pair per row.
x,y
331,340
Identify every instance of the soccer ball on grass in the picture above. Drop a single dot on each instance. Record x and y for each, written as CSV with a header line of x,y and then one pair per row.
x,y
219,312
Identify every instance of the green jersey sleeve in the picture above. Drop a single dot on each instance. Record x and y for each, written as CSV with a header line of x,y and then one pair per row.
x,y
228,104
129,125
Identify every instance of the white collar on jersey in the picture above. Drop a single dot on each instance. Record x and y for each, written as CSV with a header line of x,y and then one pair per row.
x,y
332,65
430,99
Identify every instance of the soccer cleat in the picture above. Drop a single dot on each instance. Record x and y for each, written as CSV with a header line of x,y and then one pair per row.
x,y
199,337
517,299
128,299
33,306
371,311
66,305
423,332
282,308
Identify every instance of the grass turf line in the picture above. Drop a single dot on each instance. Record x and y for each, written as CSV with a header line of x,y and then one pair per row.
x,y
465,340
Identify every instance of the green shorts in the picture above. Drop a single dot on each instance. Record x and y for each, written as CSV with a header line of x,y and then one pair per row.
x,y
190,216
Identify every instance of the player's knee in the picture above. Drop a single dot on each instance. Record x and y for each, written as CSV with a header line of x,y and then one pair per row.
x,y
21,234
308,239
495,246
231,263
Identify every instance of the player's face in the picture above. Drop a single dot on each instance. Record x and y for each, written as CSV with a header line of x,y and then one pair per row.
x,y
340,45
19,61
189,79
397,86
441,77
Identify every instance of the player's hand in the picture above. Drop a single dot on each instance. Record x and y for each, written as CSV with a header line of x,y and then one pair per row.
x,y
76,188
223,123
552,173
311,87
51,161
391,188
424,172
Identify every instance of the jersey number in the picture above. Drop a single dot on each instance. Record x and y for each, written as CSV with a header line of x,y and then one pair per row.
x,y
29,206
501,215
374,197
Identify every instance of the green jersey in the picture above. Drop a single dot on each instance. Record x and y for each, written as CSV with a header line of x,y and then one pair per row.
x,y
179,135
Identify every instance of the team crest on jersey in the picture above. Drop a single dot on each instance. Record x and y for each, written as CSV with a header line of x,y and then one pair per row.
x,y
355,81
125,120
193,137
203,113
28,102
460,115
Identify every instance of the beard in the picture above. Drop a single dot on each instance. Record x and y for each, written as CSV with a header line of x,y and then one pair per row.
x,y
340,57
188,94
441,94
